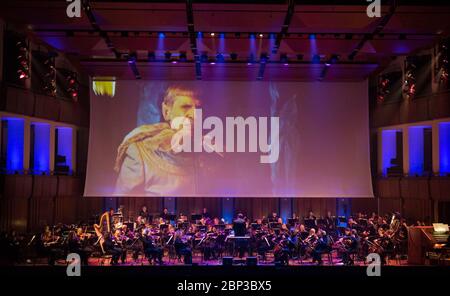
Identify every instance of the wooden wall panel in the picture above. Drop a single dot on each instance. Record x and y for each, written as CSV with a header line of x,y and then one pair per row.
x,y
65,210
440,105
19,101
46,107
418,109
88,207
71,112
364,205
417,209
319,206
45,186
69,186
440,188
406,111
388,187
16,185
41,212
415,188
389,205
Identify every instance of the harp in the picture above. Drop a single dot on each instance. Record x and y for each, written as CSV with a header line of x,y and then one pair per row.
x,y
101,229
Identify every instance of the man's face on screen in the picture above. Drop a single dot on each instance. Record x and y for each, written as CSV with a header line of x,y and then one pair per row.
x,y
183,106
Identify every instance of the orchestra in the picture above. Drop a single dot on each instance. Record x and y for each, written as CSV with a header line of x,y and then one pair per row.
x,y
158,239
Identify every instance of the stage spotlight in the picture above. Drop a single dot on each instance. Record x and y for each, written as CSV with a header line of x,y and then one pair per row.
x,y
220,58
233,56
167,55
316,59
161,35
212,34
251,35
199,34
183,56
261,35
312,36
284,59
23,61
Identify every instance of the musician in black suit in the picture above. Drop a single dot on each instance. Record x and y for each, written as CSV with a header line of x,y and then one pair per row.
x,y
240,229
144,214
112,249
150,249
322,245
349,246
165,215
182,247
205,214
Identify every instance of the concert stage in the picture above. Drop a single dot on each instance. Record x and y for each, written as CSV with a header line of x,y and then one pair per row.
x,y
301,142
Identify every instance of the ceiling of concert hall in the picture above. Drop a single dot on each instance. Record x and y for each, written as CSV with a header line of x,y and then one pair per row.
x,y
295,40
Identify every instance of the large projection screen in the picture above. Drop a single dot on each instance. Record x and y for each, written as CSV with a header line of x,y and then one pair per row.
x,y
247,139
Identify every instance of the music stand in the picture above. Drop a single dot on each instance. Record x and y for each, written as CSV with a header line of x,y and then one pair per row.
x,y
310,223
183,225
275,225
202,228
256,226
196,217
342,221
220,226
163,226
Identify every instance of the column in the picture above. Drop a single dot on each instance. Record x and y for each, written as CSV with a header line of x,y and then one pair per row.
x,y
52,147
405,141
435,136
26,144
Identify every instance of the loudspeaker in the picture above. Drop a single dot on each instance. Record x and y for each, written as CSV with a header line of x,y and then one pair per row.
x,y
227,261
252,261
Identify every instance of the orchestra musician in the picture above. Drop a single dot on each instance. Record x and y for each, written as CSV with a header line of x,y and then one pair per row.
x,y
144,214
75,242
348,246
205,214
150,249
49,244
165,216
240,230
287,242
182,247
323,244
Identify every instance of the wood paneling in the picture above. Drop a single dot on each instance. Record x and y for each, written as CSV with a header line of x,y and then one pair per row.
x,y
388,187
319,206
408,111
415,188
46,107
19,101
440,188
25,102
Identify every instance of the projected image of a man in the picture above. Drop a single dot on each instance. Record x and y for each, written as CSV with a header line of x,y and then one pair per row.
x,y
145,161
